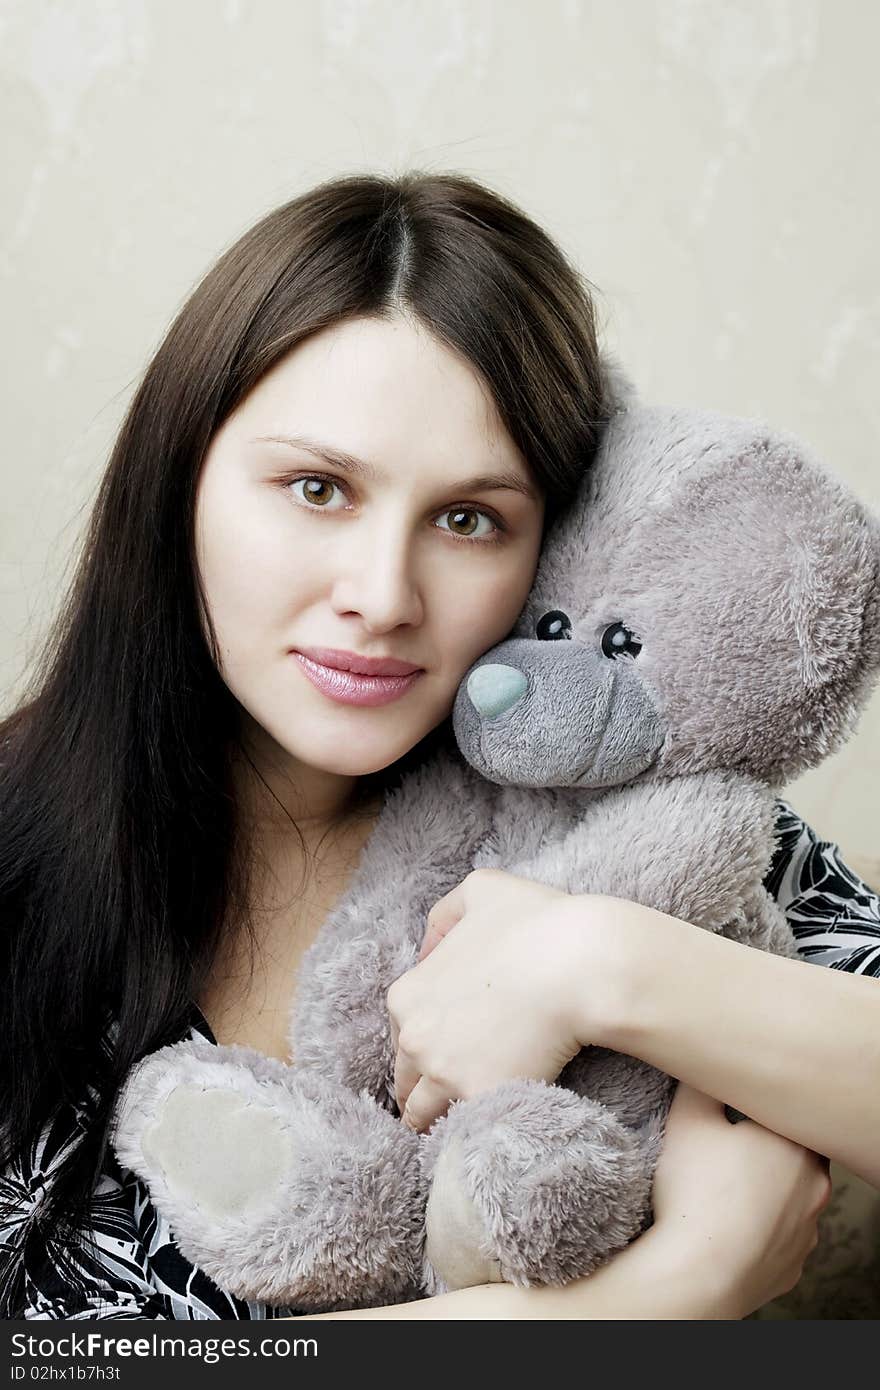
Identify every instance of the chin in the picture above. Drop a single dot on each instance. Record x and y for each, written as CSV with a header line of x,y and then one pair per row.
x,y
357,757
365,762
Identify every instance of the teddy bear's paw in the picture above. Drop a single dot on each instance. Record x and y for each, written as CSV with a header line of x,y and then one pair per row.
x,y
285,1189
529,1184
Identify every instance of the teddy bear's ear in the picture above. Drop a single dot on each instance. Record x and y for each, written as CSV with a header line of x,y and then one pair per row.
x,y
835,608
777,532
830,543
757,602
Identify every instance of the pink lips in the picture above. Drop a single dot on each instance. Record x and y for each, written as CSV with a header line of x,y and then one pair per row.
x,y
357,680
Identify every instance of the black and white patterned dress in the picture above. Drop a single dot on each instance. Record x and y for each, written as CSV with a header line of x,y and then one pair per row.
x,y
834,916
135,1269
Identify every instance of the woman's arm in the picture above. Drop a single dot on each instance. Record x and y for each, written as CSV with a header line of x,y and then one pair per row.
x,y
793,1047
796,1048
735,1216
649,1279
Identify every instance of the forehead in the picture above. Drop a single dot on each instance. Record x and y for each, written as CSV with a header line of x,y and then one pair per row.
x,y
385,389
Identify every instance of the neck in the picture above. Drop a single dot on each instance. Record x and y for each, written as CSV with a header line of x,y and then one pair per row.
x,y
278,796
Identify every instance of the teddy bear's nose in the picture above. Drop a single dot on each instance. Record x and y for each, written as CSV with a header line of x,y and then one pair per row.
x,y
493,689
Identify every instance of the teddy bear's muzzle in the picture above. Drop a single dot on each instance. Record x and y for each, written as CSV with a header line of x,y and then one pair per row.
x,y
556,714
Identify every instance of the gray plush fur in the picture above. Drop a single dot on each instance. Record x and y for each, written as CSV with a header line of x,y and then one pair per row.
x,y
751,581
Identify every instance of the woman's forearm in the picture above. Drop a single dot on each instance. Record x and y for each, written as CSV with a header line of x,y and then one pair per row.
x,y
654,1278
795,1046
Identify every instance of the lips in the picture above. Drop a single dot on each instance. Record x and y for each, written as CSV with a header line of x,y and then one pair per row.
x,y
360,665
339,676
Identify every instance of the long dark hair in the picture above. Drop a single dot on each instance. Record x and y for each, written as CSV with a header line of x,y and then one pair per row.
x,y
120,856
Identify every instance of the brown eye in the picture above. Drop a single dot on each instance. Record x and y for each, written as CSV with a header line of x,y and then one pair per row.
x,y
466,521
316,491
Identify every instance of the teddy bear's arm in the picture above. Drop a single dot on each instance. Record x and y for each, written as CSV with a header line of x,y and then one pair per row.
x,y
695,847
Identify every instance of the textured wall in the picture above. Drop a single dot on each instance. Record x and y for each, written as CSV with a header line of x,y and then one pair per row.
x,y
707,162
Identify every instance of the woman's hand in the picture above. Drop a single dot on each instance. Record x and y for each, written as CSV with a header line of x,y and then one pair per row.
x,y
491,1000
737,1202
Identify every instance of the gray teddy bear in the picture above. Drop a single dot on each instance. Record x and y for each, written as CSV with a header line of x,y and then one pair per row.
x,y
705,624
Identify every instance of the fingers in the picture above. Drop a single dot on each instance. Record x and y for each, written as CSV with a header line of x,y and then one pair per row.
x,y
406,1077
426,1104
442,918
419,1101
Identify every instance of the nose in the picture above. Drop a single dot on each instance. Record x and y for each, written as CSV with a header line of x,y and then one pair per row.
x,y
494,689
379,585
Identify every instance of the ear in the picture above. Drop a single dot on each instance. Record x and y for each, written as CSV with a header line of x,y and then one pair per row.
x,y
835,607
772,524
755,587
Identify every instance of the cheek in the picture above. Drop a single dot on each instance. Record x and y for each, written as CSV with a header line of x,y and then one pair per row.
x,y
252,576
485,610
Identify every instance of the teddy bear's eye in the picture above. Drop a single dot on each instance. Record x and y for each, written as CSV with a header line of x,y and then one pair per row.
x,y
617,640
553,626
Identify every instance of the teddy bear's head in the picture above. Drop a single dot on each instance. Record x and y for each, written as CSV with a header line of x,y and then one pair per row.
x,y
711,600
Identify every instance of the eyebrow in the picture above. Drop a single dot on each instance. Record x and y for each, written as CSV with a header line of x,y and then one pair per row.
x,y
358,468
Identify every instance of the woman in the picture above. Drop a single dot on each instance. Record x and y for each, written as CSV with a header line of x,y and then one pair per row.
x,y
353,436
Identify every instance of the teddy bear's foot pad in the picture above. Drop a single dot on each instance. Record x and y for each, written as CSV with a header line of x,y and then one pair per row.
x,y
218,1148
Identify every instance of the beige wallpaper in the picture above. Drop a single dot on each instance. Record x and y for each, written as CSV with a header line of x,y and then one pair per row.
x,y
710,164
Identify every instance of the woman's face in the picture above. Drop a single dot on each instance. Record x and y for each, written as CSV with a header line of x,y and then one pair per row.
x,y
364,499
